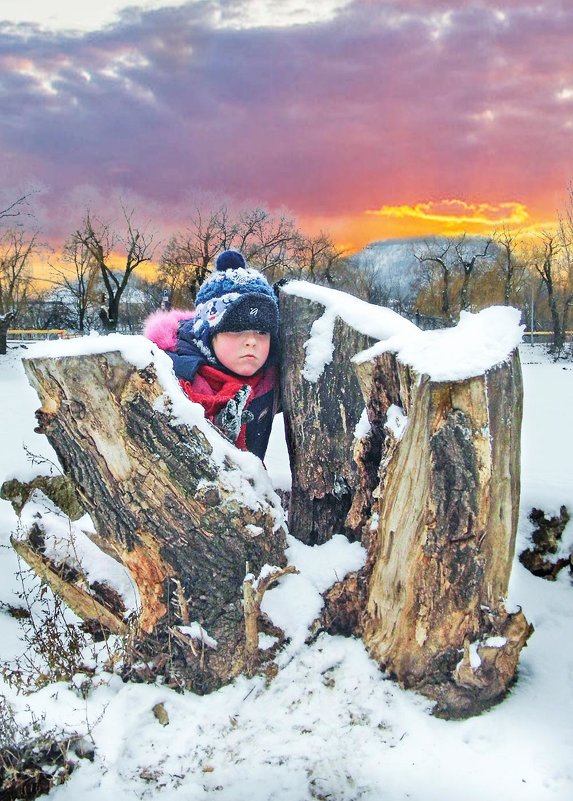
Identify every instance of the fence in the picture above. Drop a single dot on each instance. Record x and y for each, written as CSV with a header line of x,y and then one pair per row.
x,y
36,333
544,337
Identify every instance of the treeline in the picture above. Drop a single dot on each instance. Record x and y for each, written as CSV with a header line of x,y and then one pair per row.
x,y
98,278
447,275
533,273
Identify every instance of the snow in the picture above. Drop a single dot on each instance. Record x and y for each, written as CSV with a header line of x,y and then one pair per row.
x,y
67,543
330,724
479,341
276,460
296,602
396,421
196,632
362,427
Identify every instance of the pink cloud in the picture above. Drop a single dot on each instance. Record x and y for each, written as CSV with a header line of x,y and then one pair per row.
x,y
388,104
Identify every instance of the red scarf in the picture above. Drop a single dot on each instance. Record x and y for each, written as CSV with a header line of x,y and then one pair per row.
x,y
213,389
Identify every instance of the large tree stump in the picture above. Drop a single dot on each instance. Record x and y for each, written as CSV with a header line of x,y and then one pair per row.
x,y
320,420
182,520
442,551
435,501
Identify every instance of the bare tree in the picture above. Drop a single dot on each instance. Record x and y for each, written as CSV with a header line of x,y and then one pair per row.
x,y
173,273
18,207
269,242
266,240
16,249
546,263
468,262
566,271
78,277
437,256
188,255
512,267
317,257
456,259
103,244
508,263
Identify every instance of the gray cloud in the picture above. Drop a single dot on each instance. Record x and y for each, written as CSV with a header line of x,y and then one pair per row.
x,y
375,106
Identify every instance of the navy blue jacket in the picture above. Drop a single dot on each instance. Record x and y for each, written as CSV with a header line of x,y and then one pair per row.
x,y
188,359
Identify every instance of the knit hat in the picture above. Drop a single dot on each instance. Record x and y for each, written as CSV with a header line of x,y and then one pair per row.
x,y
235,297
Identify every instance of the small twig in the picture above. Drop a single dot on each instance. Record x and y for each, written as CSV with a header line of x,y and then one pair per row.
x,y
253,592
182,601
183,639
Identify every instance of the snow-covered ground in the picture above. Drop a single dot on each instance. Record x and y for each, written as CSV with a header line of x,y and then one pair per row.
x,y
330,725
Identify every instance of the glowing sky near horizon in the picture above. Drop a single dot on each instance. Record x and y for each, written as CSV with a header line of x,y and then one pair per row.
x,y
368,119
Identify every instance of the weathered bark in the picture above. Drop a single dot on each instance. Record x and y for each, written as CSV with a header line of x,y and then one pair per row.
x,y
162,506
442,553
320,419
436,508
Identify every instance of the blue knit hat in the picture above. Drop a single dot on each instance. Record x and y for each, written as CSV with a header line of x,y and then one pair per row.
x,y
235,297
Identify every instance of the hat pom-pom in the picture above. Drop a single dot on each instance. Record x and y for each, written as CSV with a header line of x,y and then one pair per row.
x,y
230,260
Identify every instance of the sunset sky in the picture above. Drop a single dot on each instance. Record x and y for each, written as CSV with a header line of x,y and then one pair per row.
x,y
369,119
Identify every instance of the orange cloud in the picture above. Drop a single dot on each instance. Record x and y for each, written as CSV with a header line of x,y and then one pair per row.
x,y
454,212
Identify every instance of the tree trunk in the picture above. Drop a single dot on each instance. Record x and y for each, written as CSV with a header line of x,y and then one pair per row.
x,y
5,321
320,419
446,293
558,338
436,508
441,555
163,507
465,291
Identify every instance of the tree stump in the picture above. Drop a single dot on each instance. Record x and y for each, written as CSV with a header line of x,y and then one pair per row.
x,y
183,523
320,419
435,499
441,555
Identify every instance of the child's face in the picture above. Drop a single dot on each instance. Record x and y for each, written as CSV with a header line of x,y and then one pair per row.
x,y
242,352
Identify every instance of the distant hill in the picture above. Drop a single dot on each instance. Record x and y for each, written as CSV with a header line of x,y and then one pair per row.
x,y
392,267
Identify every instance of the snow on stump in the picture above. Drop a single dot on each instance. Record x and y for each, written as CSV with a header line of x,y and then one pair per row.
x,y
180,508
434,488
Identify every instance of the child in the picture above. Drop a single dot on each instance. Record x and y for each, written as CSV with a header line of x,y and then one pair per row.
x,y
225,354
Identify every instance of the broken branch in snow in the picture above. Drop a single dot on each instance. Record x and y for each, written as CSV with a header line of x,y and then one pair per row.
x,y
253,593
74,587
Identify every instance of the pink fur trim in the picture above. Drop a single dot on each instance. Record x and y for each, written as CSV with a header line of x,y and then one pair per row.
x,y
161,327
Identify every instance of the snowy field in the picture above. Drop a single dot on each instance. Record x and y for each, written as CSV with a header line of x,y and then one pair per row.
x,y
330,726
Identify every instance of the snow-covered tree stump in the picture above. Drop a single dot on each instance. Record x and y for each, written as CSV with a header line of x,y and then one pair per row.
x,y
180,508
320,419
436,497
